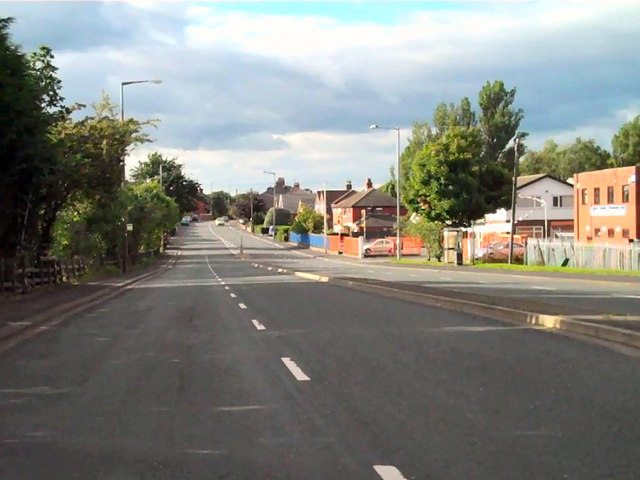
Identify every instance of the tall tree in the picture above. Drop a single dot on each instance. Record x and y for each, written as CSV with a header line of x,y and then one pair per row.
x,y
24,148
563,162
447,177
184,190
626,144
89,154
548,160
242,207
499,121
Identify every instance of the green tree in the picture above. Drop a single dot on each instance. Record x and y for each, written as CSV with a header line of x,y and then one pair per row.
x,y
220,202
184,190
626,144
563,162
151,212
308,221
548,160
24,148
446,185
390,186
89,154
429,232
242,205
283,217
583,156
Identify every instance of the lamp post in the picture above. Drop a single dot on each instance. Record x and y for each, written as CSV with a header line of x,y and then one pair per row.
x,y
516,141
324,220
273,234
398,173
544,204
125,246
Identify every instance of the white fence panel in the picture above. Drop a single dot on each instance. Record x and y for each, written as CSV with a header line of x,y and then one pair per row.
x,y
581,255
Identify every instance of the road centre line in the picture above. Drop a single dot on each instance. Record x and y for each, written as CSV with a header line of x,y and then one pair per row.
x,y
258,325
295,369
536,287
226,288
388,472
242,306
232,295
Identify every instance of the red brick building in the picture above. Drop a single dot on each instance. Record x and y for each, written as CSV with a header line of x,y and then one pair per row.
x,y
349,209
607,206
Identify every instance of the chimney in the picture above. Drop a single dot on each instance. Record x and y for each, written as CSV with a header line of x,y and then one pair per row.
x,y
348,185
369,184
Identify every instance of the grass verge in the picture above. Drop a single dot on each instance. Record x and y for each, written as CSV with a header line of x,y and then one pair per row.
x,y
416,261
544,268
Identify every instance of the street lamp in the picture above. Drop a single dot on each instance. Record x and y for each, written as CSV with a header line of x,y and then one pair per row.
x,y
273,234
514,188
124,170
544,204
397,129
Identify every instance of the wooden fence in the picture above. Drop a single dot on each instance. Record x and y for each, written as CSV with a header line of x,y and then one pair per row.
x,y
24,273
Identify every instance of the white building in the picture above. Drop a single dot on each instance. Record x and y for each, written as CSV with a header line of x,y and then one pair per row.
x,y
544,205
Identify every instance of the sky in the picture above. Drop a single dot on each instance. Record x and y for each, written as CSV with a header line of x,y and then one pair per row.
x,y
292,87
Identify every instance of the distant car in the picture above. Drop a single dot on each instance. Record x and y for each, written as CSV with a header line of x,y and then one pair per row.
x,y
222,221
185,221
194,218
381,246
499,252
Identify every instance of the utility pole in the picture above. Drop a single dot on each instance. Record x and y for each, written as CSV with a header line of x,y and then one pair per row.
x,y
251,203
513,197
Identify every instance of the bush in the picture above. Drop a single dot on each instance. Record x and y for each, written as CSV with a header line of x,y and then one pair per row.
x,y
283,217
282,234
299,228
258,218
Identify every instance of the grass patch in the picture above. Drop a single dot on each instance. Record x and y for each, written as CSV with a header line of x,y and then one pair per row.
x,y
545,268
416,261
103,271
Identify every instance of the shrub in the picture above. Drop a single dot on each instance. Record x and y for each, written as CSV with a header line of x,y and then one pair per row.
x,y
299,228
282,234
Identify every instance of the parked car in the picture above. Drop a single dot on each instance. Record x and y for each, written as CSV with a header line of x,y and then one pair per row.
x,y
382,246
185,221
499,252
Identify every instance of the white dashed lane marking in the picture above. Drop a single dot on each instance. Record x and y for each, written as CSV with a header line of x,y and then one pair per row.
x,y
295,369
258,325
388,472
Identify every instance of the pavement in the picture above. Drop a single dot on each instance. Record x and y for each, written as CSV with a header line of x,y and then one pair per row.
x,y
216,369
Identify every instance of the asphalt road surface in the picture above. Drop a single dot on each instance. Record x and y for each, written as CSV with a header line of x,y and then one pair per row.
x,y
590,295
218,370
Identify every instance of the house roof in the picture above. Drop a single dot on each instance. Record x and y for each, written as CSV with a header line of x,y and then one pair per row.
x,y
378,220
366,198
347,194
332,195
291,201
524,180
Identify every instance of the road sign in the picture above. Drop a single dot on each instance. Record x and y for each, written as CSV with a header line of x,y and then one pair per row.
x,y
129,227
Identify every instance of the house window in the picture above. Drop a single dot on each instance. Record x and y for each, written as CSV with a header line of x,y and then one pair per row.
x,y
596,196
567,200
625,193
610,197
557,201
625,233
611,233
585,196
